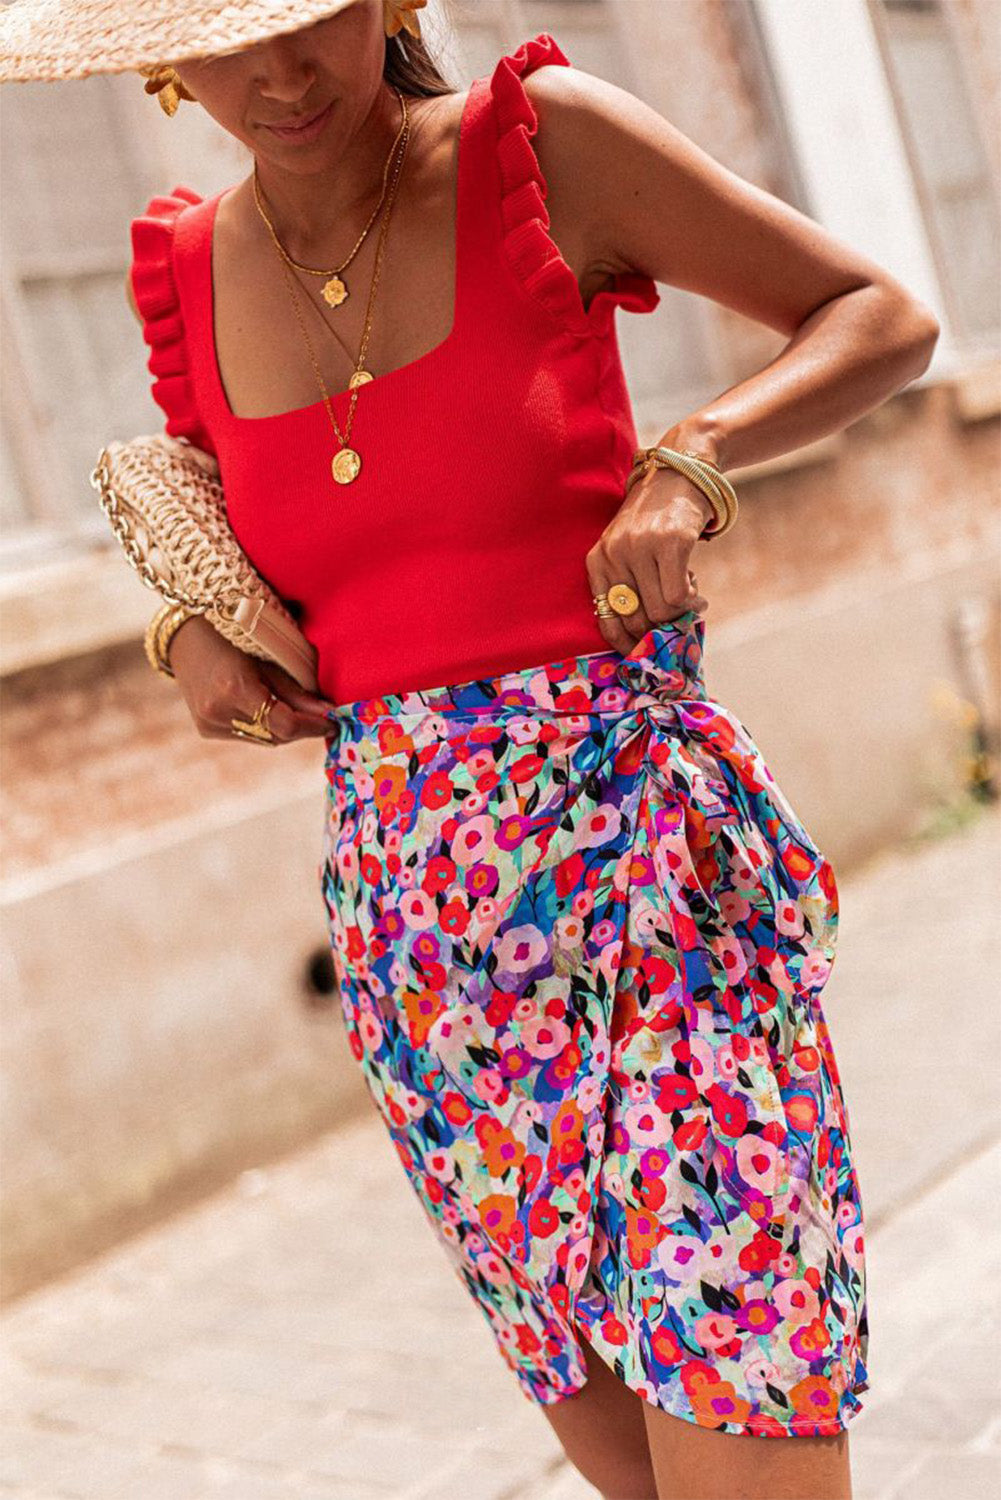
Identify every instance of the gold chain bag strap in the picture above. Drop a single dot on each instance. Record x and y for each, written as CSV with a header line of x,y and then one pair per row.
x,y
164,499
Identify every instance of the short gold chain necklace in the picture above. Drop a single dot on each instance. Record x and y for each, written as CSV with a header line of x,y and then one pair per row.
x,y
346,463
334,289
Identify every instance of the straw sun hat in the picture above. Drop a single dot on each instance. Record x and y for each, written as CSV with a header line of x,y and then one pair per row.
x,y
53,39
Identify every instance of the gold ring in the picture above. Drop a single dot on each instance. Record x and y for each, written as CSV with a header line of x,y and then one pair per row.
x,y
256,728
623,599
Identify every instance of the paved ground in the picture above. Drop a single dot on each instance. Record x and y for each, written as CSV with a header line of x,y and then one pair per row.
x,y
299,1336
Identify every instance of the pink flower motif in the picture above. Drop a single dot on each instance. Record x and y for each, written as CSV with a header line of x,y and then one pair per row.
x,y
520,948
577,1261
762,1371
493,1269
418,910
702,1061
569,931
726,1062
589,1094
603,932
523,731
735,908
796,1300
474,840
813,974
647,1125
789,918
544,1037
440,1164
681,1257
759,1163
715,1330
853,1245
371,1032
490,1085
847,1214
600,826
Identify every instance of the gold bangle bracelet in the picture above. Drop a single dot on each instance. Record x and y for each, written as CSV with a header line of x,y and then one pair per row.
x,y
706,475
679,458
150,645
159,633
167,631
717,500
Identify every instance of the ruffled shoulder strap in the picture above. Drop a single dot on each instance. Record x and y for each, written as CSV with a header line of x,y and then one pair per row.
x,y
532,253
155,284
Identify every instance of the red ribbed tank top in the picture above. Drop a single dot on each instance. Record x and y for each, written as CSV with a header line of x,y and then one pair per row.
x,y
490,465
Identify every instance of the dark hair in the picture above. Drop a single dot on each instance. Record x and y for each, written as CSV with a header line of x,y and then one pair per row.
x,y
410,66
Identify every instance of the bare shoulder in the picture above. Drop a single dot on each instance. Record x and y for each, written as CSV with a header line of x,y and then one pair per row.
x,y
648,198
570,105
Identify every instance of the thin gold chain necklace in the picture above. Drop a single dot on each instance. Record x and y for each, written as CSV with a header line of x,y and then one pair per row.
x,y
335,290
346,463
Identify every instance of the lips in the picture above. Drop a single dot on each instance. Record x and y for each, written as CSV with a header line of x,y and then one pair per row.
x,y
304,130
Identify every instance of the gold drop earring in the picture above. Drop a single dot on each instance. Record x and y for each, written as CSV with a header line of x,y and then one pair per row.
x,y
399,15
165,82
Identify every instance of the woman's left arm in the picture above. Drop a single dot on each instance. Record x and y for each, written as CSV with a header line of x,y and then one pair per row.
x,y
647,199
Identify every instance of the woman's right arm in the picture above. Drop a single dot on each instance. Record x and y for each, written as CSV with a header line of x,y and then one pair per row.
x,y
220,682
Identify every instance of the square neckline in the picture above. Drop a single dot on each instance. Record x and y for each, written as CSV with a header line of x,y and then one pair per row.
x,y
461,195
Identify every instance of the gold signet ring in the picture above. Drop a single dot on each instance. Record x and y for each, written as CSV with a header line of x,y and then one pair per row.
x,y
623,599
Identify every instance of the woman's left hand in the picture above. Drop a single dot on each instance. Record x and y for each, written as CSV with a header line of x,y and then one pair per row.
x,y
648,544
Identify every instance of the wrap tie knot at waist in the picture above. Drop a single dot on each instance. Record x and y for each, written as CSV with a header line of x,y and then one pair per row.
x,y
709,772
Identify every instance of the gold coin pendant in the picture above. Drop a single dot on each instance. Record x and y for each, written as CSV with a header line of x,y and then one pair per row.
x,y
345,465
360,377
623,599
334,291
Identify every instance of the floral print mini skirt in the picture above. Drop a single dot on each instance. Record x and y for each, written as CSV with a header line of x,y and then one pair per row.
x,y
580,938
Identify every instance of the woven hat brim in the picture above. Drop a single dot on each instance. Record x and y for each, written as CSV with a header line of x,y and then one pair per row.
x,y
47,40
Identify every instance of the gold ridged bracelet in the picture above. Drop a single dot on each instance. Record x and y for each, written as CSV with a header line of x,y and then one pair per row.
x,y
702,472
159,633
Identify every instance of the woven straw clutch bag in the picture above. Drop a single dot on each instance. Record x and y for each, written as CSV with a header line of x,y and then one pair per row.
x,y
164,499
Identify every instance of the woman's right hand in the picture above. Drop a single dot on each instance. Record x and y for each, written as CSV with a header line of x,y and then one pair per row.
x,y
220,682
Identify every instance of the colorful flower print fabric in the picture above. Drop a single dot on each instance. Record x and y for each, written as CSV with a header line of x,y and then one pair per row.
x,y
581,938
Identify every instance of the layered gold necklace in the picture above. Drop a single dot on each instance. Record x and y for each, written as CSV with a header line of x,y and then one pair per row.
x,y
346,463
335,290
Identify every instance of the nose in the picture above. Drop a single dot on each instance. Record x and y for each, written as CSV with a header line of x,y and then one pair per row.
x,y
283,74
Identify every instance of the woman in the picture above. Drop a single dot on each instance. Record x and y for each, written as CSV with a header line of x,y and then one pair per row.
x,y
579,933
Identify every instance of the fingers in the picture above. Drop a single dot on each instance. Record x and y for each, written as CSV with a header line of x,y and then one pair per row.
x,y
661,598
284,720
311,704
611,626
